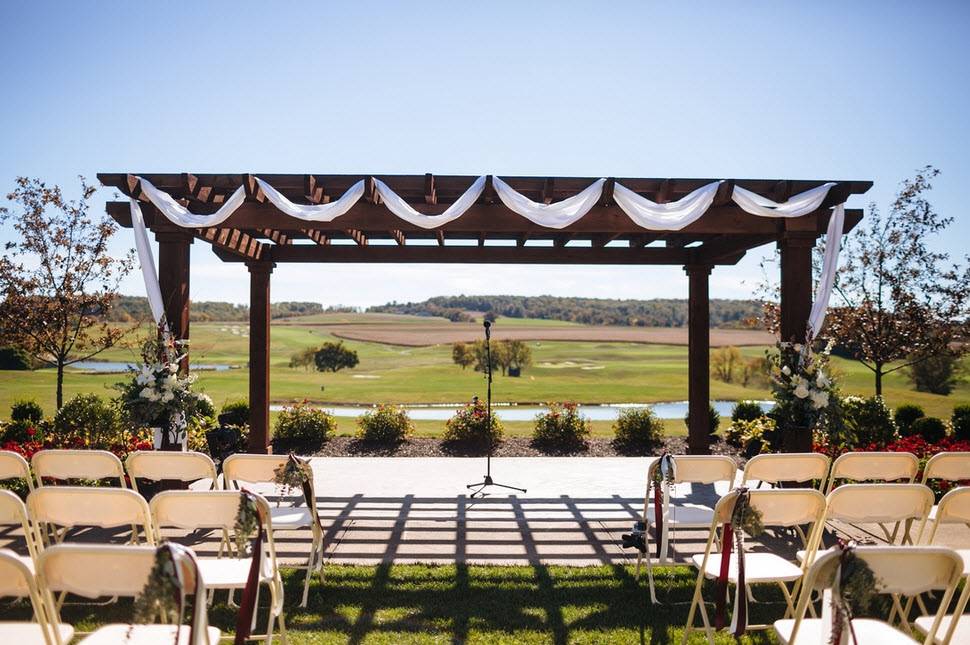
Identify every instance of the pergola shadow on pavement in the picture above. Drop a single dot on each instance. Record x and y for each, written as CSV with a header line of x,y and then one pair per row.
x,y
260,235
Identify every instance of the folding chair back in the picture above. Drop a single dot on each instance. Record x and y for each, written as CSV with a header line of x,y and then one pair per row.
x,y
13,466
902,570
13,512
874,466
194,509
156,465
254,469
77,464
72,506
16,578
879,503
787,467
948,466
954,508
701,469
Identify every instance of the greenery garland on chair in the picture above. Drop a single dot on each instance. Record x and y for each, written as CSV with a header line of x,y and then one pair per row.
x,y
853,592
247,524
294,473
163,595
745,518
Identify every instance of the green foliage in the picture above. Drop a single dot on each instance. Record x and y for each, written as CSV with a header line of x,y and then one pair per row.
x,y
235,413
713,416
751,436
562,427
304,358
638,430
746,411
332,357
937,374
868,421
88,421
930,428
204,408
725,363
302,428
591,311
462,354
26,411
15,358
129,308
905,415
385,424
470,425
961,422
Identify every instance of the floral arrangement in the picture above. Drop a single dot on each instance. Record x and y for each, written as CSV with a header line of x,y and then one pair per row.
x,y
155,395
801,385
293,473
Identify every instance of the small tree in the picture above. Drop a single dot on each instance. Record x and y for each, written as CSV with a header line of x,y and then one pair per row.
x,y
304,358
519,354
462,354
937,374
58,281
332,357
725,361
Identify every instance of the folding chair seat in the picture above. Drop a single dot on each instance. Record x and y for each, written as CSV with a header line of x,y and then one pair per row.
x,y
66,507
239,469
77,465
954,508
17,580
775,468
217,510
946,466
156,465
13,466
94,571
693,470
779,508
874,467
879,504
898,570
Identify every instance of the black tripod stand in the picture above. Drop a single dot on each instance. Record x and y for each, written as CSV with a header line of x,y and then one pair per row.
x,y
488,481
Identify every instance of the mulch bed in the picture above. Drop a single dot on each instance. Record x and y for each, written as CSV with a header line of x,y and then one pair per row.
x,y
512,447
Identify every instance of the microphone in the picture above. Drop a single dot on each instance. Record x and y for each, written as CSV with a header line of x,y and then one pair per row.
x,y
488,330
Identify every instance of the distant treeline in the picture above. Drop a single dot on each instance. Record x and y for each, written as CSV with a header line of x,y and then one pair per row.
x,y
590,311
131,308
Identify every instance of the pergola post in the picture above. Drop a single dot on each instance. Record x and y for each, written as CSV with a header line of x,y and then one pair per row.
x,y
698,359
173,281
796,284
259,321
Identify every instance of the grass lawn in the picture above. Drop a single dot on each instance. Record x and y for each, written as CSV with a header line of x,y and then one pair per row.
x,y
473,604
587,372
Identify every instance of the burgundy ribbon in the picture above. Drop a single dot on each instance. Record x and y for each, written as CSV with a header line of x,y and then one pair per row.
x,y
247,606
658,516
729,535
720,594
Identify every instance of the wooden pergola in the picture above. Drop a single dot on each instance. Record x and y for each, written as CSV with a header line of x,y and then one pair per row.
x,y
260,236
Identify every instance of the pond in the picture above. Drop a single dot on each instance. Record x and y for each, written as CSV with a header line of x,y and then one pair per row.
x,y
110,367
505,412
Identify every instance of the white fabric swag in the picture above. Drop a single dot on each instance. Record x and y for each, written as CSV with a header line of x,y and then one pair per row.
x,y
645,213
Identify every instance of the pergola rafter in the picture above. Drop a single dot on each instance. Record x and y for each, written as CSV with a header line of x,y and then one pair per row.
x,y
261,236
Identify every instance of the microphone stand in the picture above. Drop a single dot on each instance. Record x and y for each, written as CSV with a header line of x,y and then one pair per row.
x,y
488,481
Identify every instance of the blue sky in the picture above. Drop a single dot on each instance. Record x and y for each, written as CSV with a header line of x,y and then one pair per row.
x,y
826,90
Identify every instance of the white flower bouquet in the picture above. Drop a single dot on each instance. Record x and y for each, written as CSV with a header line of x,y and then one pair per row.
x,y
802,387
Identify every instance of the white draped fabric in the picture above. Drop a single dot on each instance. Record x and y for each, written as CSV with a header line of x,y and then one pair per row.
x,y
557,215
672,216
665,217
405,211
313,212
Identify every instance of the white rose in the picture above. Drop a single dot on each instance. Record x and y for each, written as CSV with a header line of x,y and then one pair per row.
x,y
821,380
798,347
801,391
168,396
146,393
820,399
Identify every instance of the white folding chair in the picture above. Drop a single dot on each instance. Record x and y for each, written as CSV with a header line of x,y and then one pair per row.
x,y
239,469
775,468
780,507
98,570
693,470
156,465
77,465
898,570
13,512
217,510
13,466
17,580
954,508
948,467
874,467
65,507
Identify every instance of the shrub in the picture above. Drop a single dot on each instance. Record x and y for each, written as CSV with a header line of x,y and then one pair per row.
x,y
752,436
937,374
905,415
868,421
235,413
204,408
714,416
385,424
14,358
29,411
471,425
88,421
302,427
929,428
746,411
638,430
961,422
562,427
332,357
